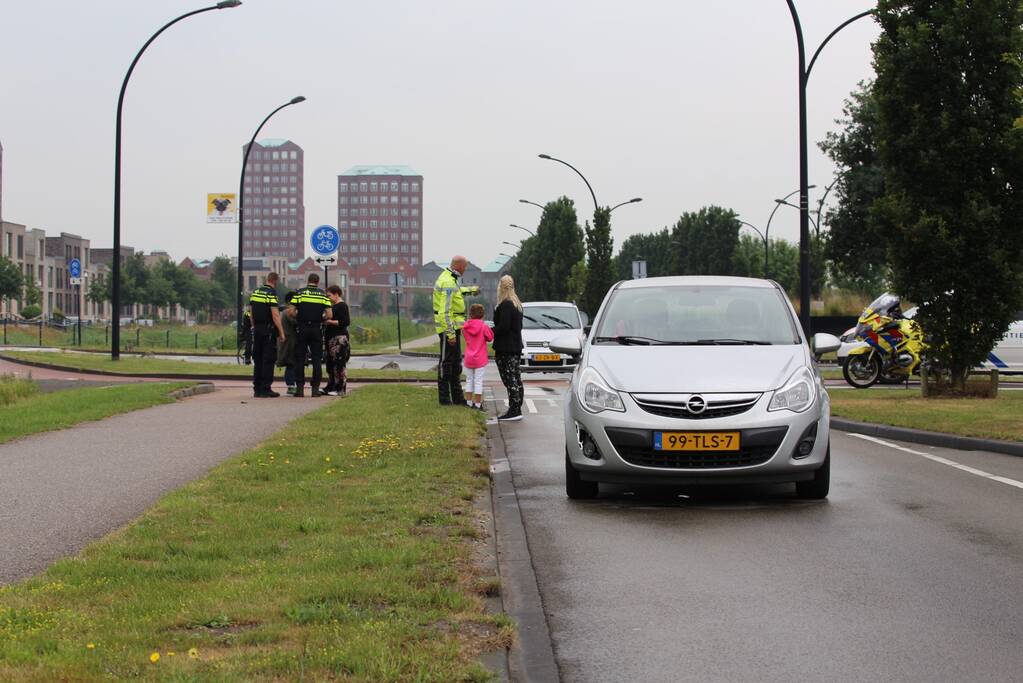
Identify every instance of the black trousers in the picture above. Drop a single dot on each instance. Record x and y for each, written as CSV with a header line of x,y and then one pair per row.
x,y
264,357
449,371
309,338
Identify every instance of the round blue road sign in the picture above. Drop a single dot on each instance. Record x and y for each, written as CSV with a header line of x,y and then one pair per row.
x,y
74,268
325,240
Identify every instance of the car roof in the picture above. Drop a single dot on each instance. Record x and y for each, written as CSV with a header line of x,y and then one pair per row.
x,y
696,281
563,304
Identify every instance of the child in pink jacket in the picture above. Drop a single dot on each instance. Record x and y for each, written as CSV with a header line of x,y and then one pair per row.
x,y
476,334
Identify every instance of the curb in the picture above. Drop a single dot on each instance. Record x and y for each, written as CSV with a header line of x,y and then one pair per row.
x,y
420,354
159,352
927,438
204,388
531,657
208,378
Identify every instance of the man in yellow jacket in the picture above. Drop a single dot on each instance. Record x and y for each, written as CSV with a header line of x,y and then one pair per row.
x,y
448,318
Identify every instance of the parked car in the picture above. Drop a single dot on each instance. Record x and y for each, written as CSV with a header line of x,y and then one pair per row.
x,y
542,321
1007,356
696,380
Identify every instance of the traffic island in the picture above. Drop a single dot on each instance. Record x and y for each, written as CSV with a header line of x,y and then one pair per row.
x,y
341,548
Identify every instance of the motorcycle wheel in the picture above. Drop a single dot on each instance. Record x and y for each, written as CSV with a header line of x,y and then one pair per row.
x,y
862,371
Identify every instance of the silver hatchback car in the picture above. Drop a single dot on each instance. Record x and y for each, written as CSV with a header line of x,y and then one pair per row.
x,y
696,380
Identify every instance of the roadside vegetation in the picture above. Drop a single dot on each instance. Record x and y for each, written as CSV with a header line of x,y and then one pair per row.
x,y
339,549
137,365
24,412
998,418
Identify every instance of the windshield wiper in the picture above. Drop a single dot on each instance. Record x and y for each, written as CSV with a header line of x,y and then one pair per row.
x,y
558,320
626,340
732,342
538,322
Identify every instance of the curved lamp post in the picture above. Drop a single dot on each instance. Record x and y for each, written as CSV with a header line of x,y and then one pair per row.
x,y
762,236
634,200
521,228
804,208
512,244
115,270
504,254
526,201
816,228
241,206
767,230
820,202
590,187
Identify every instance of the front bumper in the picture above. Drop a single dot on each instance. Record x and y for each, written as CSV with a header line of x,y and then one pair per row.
x,y
563,364
623,445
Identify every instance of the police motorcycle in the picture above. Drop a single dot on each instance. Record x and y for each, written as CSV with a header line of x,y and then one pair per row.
x,y
893,345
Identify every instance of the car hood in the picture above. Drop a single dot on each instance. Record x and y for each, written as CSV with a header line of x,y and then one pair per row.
x,y
696,369
547,335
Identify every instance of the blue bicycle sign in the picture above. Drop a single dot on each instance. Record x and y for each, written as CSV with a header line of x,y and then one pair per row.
x,y
325,240
75,268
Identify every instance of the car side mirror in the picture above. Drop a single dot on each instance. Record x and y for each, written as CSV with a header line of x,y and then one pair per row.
x,y
568,345
822,343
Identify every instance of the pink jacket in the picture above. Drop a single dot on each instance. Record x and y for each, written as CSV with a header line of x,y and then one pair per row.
x,y
477,334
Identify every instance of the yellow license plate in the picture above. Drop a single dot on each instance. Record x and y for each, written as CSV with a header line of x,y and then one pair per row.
x,y
696,441
547,356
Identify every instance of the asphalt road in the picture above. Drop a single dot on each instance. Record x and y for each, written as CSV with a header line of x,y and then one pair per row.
x,y
912,570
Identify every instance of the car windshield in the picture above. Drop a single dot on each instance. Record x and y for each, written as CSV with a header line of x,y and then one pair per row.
x,y
696,314
549,318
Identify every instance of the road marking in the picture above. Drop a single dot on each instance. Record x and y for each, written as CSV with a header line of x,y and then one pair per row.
x,y
531,405
943,461
551,402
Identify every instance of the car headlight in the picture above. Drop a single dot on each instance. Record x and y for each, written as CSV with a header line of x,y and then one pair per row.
x,y
797,394
595,395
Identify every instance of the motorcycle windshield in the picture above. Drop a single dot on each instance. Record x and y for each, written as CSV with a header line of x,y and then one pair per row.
x,y
884,303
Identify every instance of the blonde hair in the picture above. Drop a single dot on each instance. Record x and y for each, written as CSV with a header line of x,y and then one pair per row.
x,y
506,292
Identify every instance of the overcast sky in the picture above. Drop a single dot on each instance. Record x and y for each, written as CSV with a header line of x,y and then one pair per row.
x,y
682,102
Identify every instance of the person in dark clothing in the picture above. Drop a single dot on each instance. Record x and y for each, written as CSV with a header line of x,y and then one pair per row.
x,y
246,337
266,330
286,349
338,343
310,308
508,345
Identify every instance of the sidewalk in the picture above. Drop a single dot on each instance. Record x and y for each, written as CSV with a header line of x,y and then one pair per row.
x,y
60,490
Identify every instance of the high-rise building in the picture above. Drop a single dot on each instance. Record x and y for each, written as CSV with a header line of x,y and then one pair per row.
x,y
380,215
273,213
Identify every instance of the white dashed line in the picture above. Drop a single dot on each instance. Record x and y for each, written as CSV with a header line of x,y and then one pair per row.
x,y
943,461
531,405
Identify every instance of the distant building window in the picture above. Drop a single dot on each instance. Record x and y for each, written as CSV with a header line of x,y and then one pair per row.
x,y
372,187
364,211
373,199
363,186
415,200
415,187
355,224
394,186
373,211
394,211
342,187
415,212
404,187
404,200
394,199
404,212
294,154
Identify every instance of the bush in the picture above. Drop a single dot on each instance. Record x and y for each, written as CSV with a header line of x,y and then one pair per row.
x,y
58,315
31,311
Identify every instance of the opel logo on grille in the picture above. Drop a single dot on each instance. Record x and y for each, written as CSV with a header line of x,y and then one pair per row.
x,y
696,404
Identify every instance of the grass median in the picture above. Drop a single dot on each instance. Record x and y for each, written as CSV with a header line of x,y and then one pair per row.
x,y
998,418
137,365
339,549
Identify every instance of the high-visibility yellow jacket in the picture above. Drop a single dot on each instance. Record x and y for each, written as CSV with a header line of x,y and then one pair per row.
x,y
449,303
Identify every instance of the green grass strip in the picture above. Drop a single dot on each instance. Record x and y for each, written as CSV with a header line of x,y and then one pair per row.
x,y
13,389
999,418
61,409
339,549
84,362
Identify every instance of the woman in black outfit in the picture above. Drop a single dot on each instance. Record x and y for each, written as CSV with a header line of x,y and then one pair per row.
x,y
339,348
508,345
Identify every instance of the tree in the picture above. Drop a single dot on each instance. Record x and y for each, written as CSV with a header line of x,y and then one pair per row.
x,y
654,248
857,245
30,295
371,303
11,279
703,243
99,291
948,87
422,305
599,268
748,261
576,282
541,267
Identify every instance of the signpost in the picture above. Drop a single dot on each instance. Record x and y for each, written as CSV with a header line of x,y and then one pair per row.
x,y
325,241
399,280
74,270
638,270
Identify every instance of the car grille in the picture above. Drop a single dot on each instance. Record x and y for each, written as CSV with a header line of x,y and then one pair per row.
x,y
635,447
536,344
717,406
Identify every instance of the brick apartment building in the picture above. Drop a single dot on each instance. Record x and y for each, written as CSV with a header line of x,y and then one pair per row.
x,y
274,213
380,215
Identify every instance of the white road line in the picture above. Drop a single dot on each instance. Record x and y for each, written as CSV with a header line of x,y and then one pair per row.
x,y
551,402
943,461
531,405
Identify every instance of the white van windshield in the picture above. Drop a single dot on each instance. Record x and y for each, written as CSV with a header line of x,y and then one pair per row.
x,y
689,314
549,318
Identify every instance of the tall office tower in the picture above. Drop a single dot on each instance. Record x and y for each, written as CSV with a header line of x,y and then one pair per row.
x,y
274,215
380,215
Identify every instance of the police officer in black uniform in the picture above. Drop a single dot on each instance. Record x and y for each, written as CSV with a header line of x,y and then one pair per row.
x,y
310,307
266,330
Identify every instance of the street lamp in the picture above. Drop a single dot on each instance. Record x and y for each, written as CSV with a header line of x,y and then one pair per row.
x,y
241,205
820,202
504,254
512,244
521,228
115,336
804,174
767,230
631,201
762,236
550,158
816,229
526,201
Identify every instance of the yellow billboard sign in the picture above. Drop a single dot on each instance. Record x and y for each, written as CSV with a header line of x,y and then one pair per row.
x,y
221,207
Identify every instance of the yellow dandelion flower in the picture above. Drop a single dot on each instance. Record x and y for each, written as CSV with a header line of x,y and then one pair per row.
x,y
287,462
170,654
155,657
193,653
327,459
91,646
